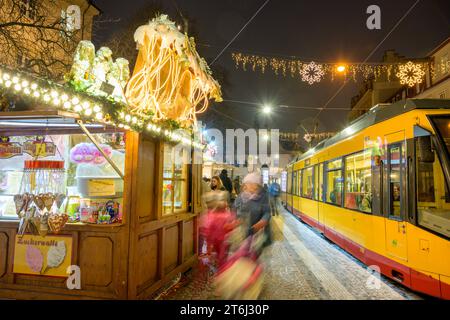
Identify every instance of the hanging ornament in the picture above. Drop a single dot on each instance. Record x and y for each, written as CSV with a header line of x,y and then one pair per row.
x,y
312,72
410,73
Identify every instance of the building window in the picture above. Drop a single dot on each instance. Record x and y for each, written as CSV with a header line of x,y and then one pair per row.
x,y
307,183
358,182
444,65
175,180
334,182
28,8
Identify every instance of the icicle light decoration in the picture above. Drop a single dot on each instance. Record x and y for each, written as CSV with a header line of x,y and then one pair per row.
x,y
170,80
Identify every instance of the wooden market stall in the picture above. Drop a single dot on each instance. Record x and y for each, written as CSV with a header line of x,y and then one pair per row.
x,y
99,186
125,260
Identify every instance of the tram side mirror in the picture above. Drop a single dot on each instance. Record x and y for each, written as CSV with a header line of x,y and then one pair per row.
x,y
425,150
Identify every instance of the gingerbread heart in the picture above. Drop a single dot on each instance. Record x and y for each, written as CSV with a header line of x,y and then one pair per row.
x,y
59,199
19,201
43,225
39,201
56,222
48,200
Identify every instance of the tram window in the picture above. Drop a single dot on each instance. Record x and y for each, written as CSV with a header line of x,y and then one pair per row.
x,y
294,183
358,182
334,182
289,183
299,182
433,203
316,183
320,184
396,159
307,183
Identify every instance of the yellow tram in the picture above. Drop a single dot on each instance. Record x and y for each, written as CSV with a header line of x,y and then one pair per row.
x,y
380,190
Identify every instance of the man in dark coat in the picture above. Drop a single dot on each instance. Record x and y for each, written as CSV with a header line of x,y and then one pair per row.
x,y
226,181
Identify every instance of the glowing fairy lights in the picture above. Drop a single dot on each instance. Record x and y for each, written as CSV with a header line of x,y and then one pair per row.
x,y
313,72
62,98
411,74
170,80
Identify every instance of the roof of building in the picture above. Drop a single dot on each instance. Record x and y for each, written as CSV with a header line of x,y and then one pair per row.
x,y
377,114
92,3
439,47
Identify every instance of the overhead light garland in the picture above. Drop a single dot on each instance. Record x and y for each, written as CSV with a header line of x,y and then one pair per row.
x,y
311,72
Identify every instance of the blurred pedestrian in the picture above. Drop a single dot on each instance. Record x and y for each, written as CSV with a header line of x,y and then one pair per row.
x,y
252,206
274,195
237,185
218,222
216,184
226,181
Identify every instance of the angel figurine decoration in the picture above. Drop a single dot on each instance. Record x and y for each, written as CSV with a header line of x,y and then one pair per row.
x,y
80,75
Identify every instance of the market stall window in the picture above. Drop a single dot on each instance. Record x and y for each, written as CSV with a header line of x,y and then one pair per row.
x,y
62,175
175,180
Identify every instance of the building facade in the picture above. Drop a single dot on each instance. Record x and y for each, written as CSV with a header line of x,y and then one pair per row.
x,y
436,84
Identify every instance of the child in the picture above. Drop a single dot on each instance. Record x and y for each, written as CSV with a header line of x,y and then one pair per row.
x,y
218,222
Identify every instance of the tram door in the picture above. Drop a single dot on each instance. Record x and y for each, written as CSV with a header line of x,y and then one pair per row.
x,y
394,196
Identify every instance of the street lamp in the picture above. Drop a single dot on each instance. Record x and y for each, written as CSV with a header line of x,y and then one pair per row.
x,y
341,68
267,109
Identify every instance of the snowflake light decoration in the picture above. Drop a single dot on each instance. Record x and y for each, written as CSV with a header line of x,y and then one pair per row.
x,y
312,72
411,74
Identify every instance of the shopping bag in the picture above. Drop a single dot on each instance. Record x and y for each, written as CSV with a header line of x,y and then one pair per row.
x,y
236,237
241,280
258,240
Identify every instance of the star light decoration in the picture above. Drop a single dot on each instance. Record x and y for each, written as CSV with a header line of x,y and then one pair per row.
x,y
410,74
312,73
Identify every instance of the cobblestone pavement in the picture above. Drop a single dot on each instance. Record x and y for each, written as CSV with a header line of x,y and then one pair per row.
x,y
302,265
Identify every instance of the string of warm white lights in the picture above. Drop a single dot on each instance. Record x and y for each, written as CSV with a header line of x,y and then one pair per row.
x,y
28,87
170,80
410,73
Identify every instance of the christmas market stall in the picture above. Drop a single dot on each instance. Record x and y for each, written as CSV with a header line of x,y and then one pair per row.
x,y
100,175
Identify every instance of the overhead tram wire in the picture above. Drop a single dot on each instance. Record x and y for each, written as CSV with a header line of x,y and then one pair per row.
x,y
242,29
370,55
230,117
258,105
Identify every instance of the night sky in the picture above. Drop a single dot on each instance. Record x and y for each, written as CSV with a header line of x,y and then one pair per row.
x,y
311,30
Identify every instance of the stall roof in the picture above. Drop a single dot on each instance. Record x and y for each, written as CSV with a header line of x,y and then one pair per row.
x,y
49,122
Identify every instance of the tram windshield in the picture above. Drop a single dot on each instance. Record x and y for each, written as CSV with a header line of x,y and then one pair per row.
x,y
443,128
433,198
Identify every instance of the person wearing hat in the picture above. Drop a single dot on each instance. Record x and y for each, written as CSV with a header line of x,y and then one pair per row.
x,y
252,206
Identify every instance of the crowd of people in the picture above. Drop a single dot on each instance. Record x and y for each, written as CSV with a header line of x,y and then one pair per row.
x,y
234,231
